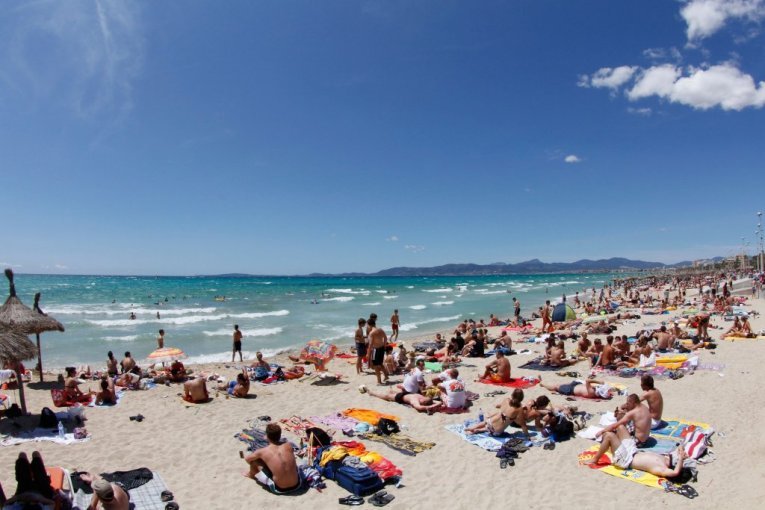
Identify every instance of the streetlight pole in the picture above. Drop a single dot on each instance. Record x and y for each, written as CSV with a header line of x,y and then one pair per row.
x,y
759,232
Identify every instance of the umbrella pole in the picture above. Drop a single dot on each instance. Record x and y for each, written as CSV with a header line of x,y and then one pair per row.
x,y
39,357
22,399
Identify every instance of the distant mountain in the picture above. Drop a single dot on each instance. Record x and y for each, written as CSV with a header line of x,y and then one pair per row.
x,y
533,266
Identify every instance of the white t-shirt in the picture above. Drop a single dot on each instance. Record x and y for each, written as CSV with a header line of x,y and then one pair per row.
x,y
413,381
455,393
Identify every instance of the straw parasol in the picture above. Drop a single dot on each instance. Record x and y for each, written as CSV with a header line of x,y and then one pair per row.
x,y
166,354
21,318
15,347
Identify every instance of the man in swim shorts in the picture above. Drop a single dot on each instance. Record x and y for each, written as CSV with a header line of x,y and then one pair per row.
x,y
419,402
377,341
499,369
361,345
274,466
237,343
632,412
654,399
590,388
395,321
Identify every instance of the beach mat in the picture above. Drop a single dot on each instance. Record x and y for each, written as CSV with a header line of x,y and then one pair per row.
x,y
399,442
433,366
120,394
520,382
39,435
367,415
734,338
654,444
539,367
677,429
483,439
145,497
604,466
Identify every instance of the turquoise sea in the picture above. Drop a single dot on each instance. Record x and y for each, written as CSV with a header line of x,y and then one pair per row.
x,y
274,313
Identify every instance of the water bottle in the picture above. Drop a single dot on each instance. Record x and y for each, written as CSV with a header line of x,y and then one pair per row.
x,y
480,415
60,430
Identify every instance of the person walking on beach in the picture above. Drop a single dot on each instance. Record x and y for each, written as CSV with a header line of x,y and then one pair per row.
x,y
546,322
237,343
361,345
394,323
161,339
377,342
517,312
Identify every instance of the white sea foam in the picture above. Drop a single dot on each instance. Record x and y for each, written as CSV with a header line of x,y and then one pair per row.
x,y
487,292
442,303
342,299
362,292
418,307
410,286
445,289
126,338
414,325
186,320
390,297
225,357
371,304
381,291
86,310
246,332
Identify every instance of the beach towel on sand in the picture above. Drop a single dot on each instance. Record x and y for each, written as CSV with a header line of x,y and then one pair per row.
x,y
678,429
368,415
297,425
400,442
484,439
38,435
521,382
146,497
536,365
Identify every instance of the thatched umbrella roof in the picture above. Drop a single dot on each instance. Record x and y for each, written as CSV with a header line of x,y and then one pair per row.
x,y
15,346
18,316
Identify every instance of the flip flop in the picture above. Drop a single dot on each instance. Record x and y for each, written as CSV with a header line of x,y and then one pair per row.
x,y
382,498
166,496
687,491
503,464
172,506
351,501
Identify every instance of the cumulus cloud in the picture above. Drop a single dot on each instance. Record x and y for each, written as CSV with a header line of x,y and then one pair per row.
x,y
706,17
572,158
414,248
84,56
663,54
607,77
392,239
656,80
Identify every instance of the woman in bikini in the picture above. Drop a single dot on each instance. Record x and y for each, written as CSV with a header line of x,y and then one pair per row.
x,y
511,412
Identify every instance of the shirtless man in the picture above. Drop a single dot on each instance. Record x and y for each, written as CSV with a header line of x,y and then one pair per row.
x,y
558,355
595,350
546,322
238,388
626,455
608,356
361,345
274,466
504,341
582,346
516,309
636,413
195,390
394,324
511,412
677,332
419,402
110,495
654,399
111,364
498,370
590,388
237,347
107,395
161,339
128,363
663,339
377,341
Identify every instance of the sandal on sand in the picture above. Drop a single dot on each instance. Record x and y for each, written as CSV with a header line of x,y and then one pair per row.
x,y
687,491
166,496
382,498
503,464
351,501
172,506
549,446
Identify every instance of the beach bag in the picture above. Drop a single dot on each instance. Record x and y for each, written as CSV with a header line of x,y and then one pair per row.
x,y
695,444
387,427
48,419
13,412
562,429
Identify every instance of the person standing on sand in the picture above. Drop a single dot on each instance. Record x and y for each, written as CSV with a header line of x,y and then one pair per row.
x,y
377,341
161,339
361,345
517,311
237,343
394,323
546,322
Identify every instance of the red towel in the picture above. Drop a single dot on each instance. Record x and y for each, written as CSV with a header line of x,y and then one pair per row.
x,y
514,383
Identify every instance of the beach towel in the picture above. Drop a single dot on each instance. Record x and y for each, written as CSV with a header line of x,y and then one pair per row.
x,y
399,442
653,444
734,338
38,435
368,415
346,355
60,400
678,429
433,366
336,421
297,425
536,365
147,496
384,468
119,393
520,382
604,466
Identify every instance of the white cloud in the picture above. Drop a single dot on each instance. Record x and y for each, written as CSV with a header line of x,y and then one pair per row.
x,y
722,85
392,239
572,158
414,248
607,77
8,264
643,112
60,266
705,17
663,54
94,53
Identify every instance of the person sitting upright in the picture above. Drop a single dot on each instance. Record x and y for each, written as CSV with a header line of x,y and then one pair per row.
x,y
238,388
195,390
107,395
176,372
498,370
128,363
511,411
110,496
72,388
274,466
654,399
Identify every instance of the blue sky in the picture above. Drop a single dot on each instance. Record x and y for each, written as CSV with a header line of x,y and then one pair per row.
x,y
289,137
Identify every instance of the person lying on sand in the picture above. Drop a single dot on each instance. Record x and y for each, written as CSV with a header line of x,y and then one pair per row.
x,y
419,402
591,388
195,390
498,370
511,411
274,466
625,454
33,488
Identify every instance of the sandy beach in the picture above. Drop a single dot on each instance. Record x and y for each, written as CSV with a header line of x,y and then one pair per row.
x,y
194,449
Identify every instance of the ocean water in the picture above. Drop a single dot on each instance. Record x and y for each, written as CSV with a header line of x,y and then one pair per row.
x,y
273,313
